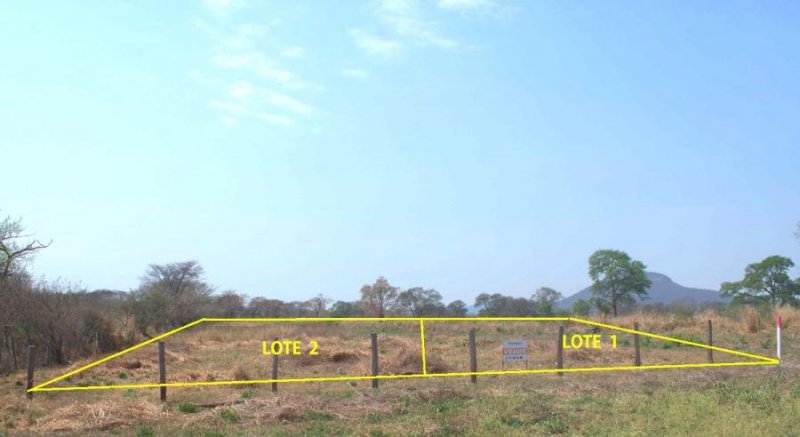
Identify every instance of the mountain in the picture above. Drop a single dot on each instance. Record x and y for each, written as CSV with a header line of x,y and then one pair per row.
x,y
662,290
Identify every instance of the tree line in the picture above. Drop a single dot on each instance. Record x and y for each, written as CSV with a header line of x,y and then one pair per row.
x,y
67,322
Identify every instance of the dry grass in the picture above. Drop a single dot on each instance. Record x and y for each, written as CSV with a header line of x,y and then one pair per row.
x,y
494,406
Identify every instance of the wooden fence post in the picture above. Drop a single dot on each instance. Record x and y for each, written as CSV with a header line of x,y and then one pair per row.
x,y
162,370
710,343
560,350
374,340
637,360
31,364
473,356
274,370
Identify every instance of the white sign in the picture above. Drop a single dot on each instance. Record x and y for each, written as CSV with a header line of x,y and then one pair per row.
x,y
515,350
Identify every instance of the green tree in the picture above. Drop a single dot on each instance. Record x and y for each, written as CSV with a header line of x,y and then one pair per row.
x,y
346,309
171,295
765,281
545,298
616,279
582,307
456,308
421,302
498,305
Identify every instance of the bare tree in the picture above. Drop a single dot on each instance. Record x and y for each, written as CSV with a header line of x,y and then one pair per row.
x,y
15,246
377,297
317,305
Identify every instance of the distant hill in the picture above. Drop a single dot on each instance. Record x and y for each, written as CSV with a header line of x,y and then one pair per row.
x,y
663,290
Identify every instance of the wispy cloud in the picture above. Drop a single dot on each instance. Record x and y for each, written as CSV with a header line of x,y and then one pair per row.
x,y
464,5
257,63
293,52
355,73
287,102
405,18
247,100
275,119
227,107
375,45
222,6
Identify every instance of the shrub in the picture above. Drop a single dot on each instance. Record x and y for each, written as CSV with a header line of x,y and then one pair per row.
x,y
751,319
229,415
145,431
188,407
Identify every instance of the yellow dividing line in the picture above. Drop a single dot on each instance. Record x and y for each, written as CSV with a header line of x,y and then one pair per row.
x,y
676,340
425,375
115,355
422,346
385,319
763,360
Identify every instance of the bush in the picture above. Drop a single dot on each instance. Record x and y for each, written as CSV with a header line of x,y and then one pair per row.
x,y
188,407
751,319
145,431
229,415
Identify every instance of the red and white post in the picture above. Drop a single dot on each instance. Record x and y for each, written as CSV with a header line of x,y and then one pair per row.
x,y
778,333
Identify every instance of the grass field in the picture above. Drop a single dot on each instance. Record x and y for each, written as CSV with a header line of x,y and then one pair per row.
x,y
728,401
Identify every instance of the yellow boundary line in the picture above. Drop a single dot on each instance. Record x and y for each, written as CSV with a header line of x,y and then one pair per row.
x,y
422,346
762,360
419,375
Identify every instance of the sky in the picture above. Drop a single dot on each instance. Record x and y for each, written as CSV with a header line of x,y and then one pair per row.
x,y
296,148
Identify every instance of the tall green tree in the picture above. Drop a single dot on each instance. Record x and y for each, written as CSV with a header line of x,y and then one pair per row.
x,y
616,279
456,308
582,307
498,305
545,298
418,301
171,295
766,281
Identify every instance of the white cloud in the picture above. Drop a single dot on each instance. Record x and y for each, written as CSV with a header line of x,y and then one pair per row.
x,y
221,7
375,45
293,52
244,37
218,4
463,5
249,81
242,90
256,62
228,107
275,119
405,19
355,73
229,121
288,103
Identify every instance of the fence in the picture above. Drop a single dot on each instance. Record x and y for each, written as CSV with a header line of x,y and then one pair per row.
x,y
375,375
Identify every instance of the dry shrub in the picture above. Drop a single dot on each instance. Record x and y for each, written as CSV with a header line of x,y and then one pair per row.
x,y
125,364
241,374
405,363
344,357
789,316
409,362
99,417
750,319
288,414
441,393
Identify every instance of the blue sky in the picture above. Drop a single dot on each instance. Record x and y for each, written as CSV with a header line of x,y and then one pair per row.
x,y
296,148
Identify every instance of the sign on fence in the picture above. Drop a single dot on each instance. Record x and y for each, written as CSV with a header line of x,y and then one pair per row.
x,y
515,350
